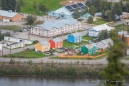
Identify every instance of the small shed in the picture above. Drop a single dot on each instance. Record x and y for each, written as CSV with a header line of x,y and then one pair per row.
x,y
89,49
74,37
42,46
56,43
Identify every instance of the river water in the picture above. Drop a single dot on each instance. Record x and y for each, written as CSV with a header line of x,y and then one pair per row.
x,y
50,81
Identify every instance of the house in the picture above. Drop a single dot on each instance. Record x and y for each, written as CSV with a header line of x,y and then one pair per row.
x,y
126,22
74,38
54,28
114,1
42,46
121,33
15,45
7,31
25,41
9,16
67,11
105,44
125,15
89,49
87,15
94,31
56,43
99,14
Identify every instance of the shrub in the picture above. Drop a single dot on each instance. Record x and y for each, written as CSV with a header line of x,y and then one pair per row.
x,y
36,41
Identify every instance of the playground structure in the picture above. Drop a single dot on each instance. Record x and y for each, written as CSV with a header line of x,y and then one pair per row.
x,y
69,2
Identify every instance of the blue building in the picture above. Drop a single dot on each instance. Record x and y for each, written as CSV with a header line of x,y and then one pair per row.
x,y
67,11
74,38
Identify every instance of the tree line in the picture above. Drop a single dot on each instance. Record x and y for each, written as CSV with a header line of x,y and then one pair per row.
x,y
15,5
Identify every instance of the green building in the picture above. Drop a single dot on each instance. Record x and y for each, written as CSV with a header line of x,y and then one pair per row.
x,y
89,49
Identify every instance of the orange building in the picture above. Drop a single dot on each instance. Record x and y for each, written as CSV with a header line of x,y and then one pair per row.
x,y
42,46
56,43
127,39
9,16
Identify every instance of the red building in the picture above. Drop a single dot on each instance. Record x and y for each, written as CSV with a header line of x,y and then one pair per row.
x,y
56,43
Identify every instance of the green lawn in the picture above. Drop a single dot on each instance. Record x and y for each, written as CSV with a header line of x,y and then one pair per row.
x,y
122,27
99,22
69,44
27,54
51,4
12,27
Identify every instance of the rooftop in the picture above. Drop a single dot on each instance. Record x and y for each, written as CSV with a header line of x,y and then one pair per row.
x,y
48,25
76,34
7,13
44,43
57,39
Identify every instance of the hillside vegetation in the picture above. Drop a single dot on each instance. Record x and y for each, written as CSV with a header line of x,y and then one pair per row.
x,y
51,5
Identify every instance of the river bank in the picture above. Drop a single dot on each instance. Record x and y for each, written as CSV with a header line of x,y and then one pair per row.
x,y
52,69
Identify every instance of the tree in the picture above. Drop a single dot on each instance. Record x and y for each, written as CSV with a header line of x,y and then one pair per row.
x,y
103,13
92,10
103,35
115,70
90,20
34,6
118,9
109,15
76,13
30,20
41,7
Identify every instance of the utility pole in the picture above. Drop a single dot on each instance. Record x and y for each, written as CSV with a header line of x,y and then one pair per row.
x,y
10,49
2,49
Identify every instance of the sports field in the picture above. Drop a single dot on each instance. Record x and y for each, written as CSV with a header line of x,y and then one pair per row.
x,y
51,4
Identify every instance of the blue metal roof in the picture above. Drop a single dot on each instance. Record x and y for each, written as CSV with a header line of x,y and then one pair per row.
x,y
44,43
87,15
48,25
57,39
7,13
76,34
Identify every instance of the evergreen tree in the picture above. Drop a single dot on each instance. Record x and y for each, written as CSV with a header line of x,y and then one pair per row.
x,y
92,10
34,6
76,13
115,71
90,20
109,16
118,9
41,7
30,20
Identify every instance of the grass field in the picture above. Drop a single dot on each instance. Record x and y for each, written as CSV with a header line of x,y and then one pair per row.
x,y
27,54
99,22
68,44
28,5
122,27
12,27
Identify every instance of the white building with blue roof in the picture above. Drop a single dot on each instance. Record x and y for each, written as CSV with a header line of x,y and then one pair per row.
x,y
67,11
54,28
74,38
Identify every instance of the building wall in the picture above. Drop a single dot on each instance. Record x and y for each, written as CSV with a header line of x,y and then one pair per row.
x,y
41,48
127,40
38,46
56,31
70,38
18,17
52,44
58,45
14,19
12,46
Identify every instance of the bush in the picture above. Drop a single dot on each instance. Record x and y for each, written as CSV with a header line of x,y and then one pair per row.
x,y
36,41
12,61
90,20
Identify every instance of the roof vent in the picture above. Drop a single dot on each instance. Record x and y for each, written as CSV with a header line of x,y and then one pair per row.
x,y
10,11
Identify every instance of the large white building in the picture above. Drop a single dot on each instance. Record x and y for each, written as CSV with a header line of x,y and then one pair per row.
x,y
54,28
94,31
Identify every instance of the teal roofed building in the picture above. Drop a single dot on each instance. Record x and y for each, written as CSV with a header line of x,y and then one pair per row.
x,y
87,15
67,11
89,49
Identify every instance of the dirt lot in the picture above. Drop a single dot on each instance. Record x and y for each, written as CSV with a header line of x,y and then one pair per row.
x,y
69,2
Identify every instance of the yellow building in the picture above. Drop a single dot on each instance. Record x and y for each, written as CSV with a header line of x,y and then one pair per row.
x,y
42,46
